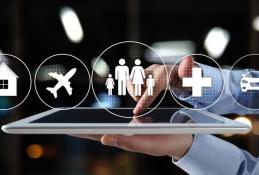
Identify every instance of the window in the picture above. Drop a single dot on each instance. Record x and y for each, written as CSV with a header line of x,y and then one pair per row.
x,y
3,84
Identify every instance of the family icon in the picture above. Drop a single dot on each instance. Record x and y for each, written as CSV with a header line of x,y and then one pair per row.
x,y
137,77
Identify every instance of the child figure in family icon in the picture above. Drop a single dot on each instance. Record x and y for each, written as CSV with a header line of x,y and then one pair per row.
x,y
150,85
122,75
110,84
137,76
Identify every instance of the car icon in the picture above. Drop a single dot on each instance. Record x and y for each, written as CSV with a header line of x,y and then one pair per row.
x,y
248,82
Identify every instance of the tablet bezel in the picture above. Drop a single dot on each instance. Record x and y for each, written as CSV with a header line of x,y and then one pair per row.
x,y
25,126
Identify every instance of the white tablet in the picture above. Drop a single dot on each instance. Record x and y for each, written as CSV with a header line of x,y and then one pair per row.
x,y
99,121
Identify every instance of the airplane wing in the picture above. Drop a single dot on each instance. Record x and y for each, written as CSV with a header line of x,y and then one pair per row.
x,y
55,75
68,87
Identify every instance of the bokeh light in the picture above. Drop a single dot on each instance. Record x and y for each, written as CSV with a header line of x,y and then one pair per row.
x,y
35,151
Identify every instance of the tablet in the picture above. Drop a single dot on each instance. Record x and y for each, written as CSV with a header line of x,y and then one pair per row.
x,y
99,121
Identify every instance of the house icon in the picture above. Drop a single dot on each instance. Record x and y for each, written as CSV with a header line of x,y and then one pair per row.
x,y
8,81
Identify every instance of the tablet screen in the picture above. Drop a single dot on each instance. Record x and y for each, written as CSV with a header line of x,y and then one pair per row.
x,y
91,115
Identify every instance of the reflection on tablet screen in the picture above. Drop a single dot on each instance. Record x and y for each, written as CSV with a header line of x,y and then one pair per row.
x,y
93,115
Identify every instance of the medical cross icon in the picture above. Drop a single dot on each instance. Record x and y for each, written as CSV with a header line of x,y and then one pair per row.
x,y
196,82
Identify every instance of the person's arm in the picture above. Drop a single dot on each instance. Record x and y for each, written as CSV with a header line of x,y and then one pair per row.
x,y
225,104
211,155
203,154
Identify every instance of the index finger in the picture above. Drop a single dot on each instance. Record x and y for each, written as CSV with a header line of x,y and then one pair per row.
x,y
145,101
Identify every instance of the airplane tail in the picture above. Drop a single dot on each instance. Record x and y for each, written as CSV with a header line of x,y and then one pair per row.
x,y
53,91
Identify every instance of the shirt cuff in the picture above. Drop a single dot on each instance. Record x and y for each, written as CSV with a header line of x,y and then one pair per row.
x,y
210,155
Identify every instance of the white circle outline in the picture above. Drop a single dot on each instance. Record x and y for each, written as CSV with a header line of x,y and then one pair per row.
x,y
229,77
222,90
10,55
69,55
135,42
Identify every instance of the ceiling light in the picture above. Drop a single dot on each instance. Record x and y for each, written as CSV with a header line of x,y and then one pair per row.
x,y
256,23
216,41
71,24
170,51
100,67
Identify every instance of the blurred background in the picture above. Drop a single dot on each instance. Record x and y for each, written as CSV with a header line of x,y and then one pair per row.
x,y
35,30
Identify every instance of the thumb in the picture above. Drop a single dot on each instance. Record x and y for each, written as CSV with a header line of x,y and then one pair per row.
x,y
185,67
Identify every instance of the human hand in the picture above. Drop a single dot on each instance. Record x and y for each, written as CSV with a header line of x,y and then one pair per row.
x,y
184,69
156,145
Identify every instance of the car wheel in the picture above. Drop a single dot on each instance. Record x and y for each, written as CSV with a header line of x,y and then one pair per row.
x,y
244,89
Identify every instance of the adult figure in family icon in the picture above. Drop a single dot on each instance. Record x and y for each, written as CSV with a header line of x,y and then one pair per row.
x,y
122,75
137,76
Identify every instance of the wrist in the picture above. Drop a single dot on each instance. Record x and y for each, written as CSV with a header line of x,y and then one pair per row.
x,y
182,147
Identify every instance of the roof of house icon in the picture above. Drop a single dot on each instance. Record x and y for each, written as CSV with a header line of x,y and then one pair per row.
x,y
4,68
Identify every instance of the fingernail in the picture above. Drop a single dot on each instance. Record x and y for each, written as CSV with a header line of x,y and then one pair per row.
x,y
135,110
110,141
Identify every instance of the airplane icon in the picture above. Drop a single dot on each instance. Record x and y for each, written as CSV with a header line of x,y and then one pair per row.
x,y
63,80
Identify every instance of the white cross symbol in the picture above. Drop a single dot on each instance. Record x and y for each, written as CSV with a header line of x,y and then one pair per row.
x,y
196,82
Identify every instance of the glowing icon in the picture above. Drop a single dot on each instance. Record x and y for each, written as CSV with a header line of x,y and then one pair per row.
x,y
137,76
8,81
122,75
110,84
150,85
248,82
196,82
63,80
